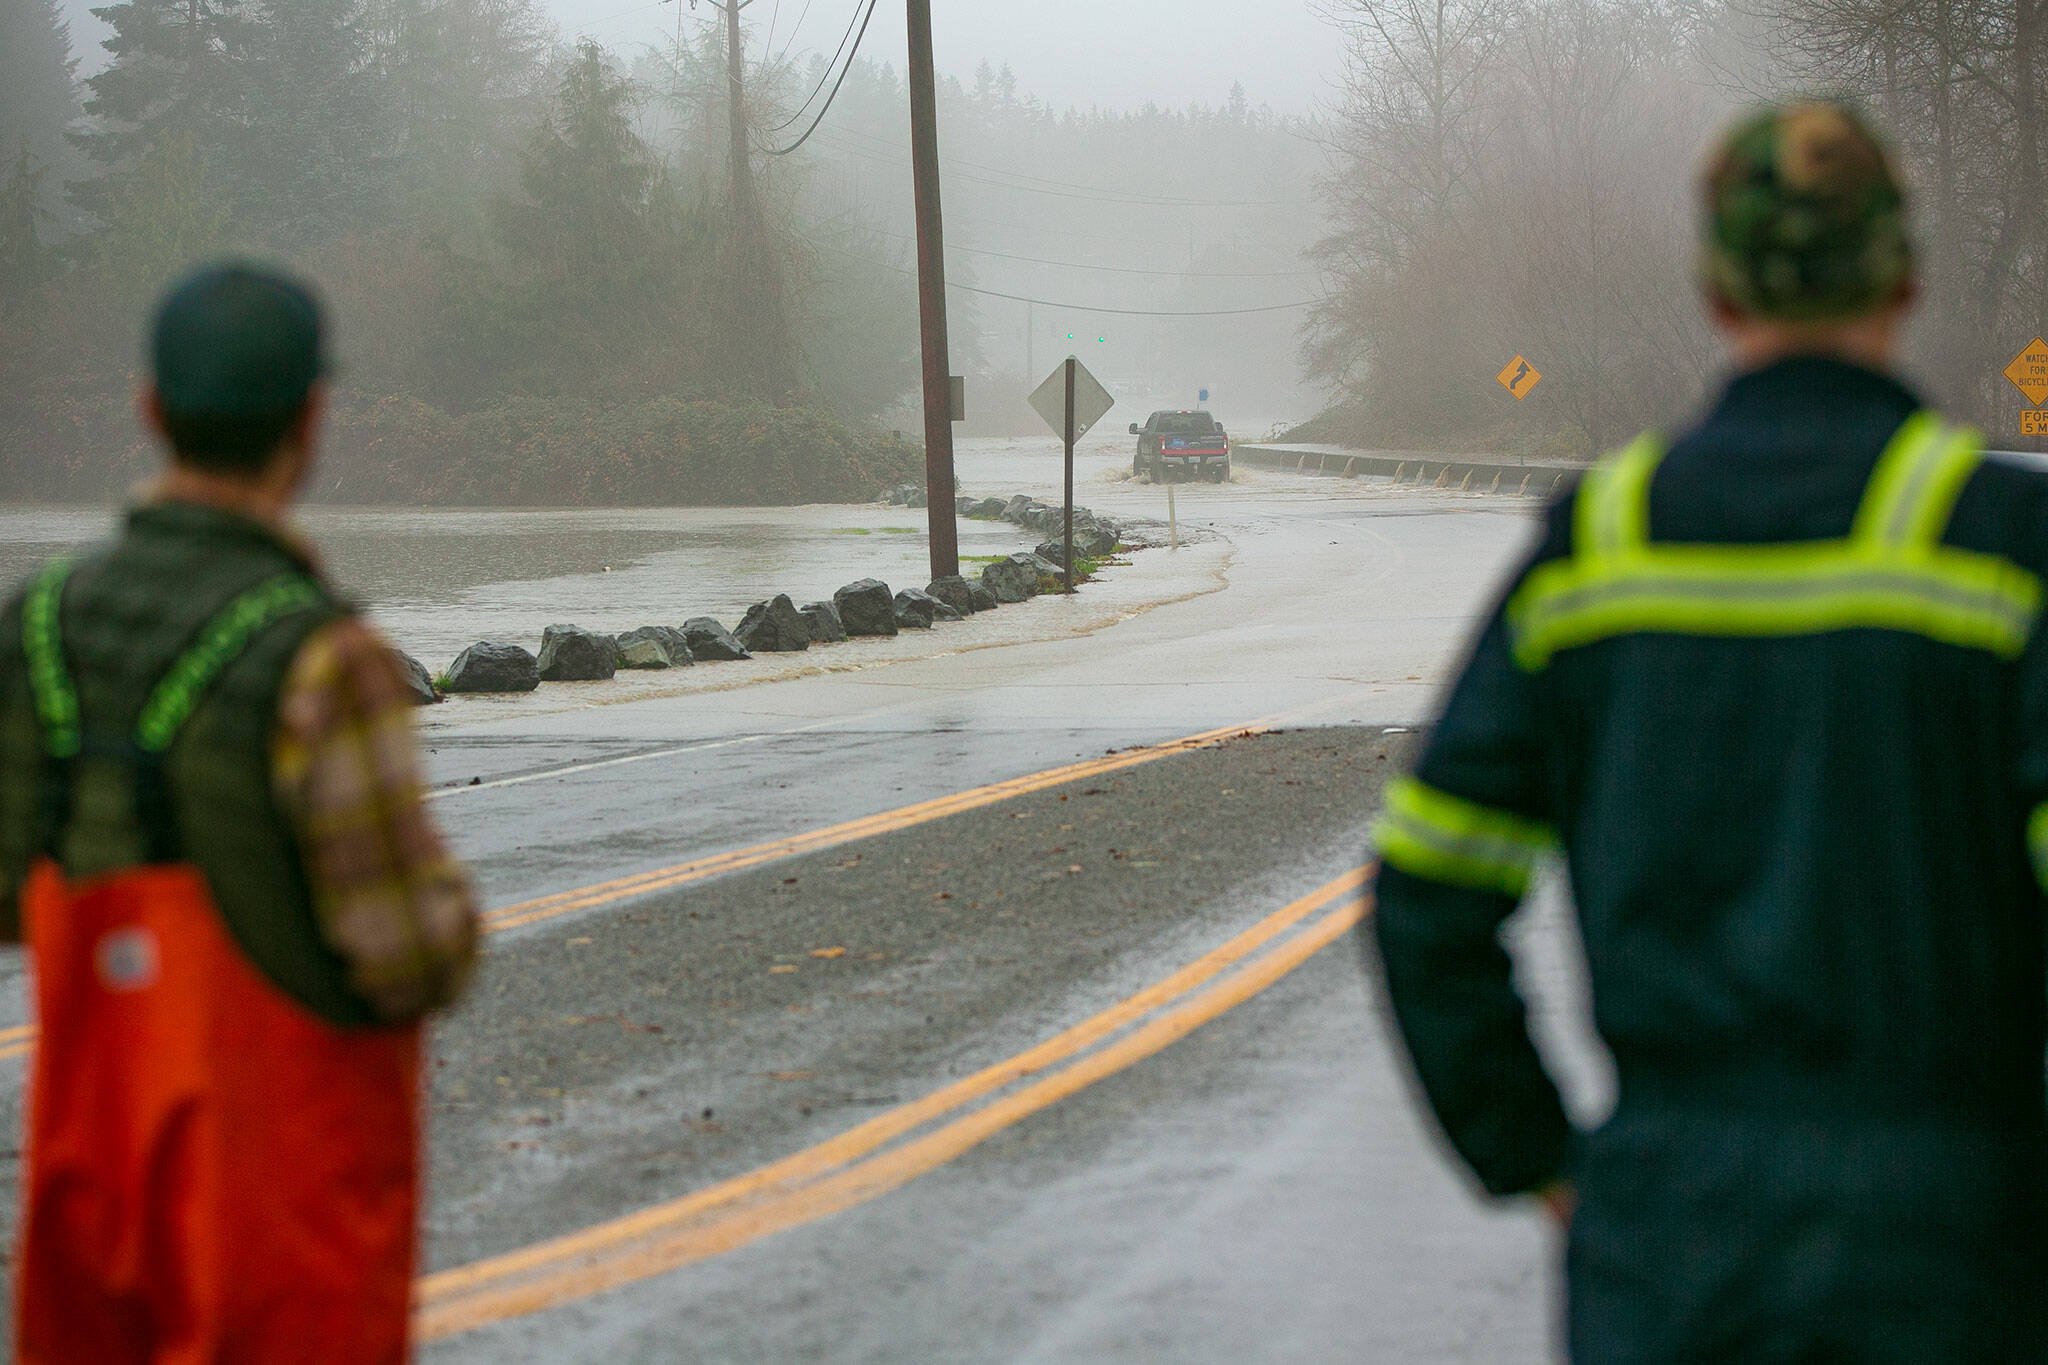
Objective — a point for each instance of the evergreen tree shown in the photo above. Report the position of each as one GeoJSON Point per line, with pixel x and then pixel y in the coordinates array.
{"type": "Point", "coordinates": [318, 151]}
{"type": "Point", "coordinates": [38, 102]}
{"type": "Point", "coordinates": [589, 289]}
{"type": "Point", "coordinates": [179, 78]}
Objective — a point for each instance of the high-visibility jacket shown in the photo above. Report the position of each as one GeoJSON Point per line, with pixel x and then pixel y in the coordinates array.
{"type": "Point", "coordinates": [1778, 695]}
{"type": "Point", "coordinates": [215, 1172]}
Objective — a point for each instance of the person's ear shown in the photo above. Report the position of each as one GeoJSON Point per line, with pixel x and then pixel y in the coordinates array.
{"type": "Point", "coordinates": [306, 426]}
{"type": "Point", "coordinates": [150, 404]}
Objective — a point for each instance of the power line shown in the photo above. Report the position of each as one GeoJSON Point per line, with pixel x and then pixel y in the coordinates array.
{"type": "Point", "coordinates": [1041, 185]}
{"type": "Point", "coordinates": [826, 75]}
{"type": "Point", "coordinates": [790, 42]}
{"type": "Point", "coordinates": [1141, 312]}
{"type": "Point", "coordinates": [1110, 269]}
{"type": "Point", "coordinates": [830, 99]}
{"type": "Point", "coordinates": [1089, 307]}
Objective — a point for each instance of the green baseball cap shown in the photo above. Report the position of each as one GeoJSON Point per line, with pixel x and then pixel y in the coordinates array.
{"type": "Point", "coordinates": [1805, 216]}
{"type": "Point", "coordinates": [233, 339]}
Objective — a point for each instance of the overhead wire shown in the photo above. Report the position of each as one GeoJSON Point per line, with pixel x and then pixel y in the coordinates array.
{"type": "Point", "coordinates": [1039, 184]}
{"type": "Point", "coordinates": [790, 42]}
{"type": "Point", "coordinates": [832, 98]}
{"type": "Point", "coordinates": [826, 75]}
{"type": "Point", "coordinates": [1108, 269]}
{"type": "Point", "coordinates": [1088, 307]}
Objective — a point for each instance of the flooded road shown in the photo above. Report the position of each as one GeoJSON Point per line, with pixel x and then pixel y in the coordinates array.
{"type": "Point", "coordinates": [657, 1042]}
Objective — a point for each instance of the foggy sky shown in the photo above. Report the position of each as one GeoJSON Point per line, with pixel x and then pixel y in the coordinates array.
{"type": "Point", "coordinates": [1113, 53]}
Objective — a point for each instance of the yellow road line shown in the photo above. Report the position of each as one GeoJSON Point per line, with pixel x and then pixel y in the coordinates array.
{"type": "Point", "coordinates": [20, 1039]}
{"type": "Point", "coordinates": [850, 1169]}
{"type": "Point", "coordinates": [867, 827]}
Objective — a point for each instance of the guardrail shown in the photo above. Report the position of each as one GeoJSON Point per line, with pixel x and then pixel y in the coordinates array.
{"type": "Point", "coordinates": [1488, 474]}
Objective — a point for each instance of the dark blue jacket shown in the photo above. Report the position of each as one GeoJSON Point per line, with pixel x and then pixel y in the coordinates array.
{"type": "Point", "coordinates": [1800, 861]}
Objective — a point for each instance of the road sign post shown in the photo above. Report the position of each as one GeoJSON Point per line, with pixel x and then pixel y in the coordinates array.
{"type": "Point", "coordinates": [1071, 401]}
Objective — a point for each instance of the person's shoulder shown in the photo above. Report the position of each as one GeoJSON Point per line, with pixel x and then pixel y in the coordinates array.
{"type": "Point", "coordinates": [347, 657]}
{"type": "Point", "coordinates": [2003, 509]}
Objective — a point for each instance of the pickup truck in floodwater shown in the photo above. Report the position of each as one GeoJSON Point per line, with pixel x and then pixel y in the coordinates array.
{"type": "Point", "coordinates": [1172, 443]}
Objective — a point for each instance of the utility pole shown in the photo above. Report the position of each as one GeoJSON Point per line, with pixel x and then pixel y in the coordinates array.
{"type": "Point", "coordinates": [763, 350]}
{"type": "Point", "coordinates": [931, 296]}
{"type": "Point", "coordinates": [743, 197]}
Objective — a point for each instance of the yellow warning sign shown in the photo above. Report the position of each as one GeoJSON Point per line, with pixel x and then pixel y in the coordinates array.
{"type": "Point", "coordinates": [2034, 421]}
{"type": "Point", "coordinates": [1519, 377]}
{"type": "Point", "coordinates": [2029, 372]}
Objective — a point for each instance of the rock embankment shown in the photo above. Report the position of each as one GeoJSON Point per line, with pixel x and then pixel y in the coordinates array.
{"type": "Point", "coordinates": [866, 608]}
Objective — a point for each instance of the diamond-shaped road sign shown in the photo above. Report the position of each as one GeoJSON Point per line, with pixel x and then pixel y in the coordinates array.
{"type": "Point", "coordinates": [2029, 372]}
{"type": "Point", "coordinates": [1091, 400]}
{"type": "Point", "coordinates": [1518, 378]}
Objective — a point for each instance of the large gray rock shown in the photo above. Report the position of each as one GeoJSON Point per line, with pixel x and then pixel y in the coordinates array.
{"type": "Point", "coordinates": [711, 642]}
{"type": "Point", "coordinates": [988, 509]}
{"type": "Point", "coordinates": [573, 654]}
{"type": "Point", "coordinates": [917, 609]}
{"type": "Point", "coordinates": [644, 653]}
{"type": "Point", "coordinates": [489, 667]}
{"type": "Point", "coordinates": [954, 591]}
{"type": "Point", "coordinates": [673, 642]}
{"type": "Point", "coordinates": [775, 627]}
{"type": "Point", "coordinates": [984, 600]}
{"type": "Point", "coordinates": [419, 684]}
{"type": "Point", "coordinates": [1014, 579]}
{"type": "Point", "coordinates": [866, 608]}
{"type": "Point", "coordinates": [826, 627]}
{"type": "Point", "coordinates": [1090, 542]}
{"type": "Point", "coordinates": [963, 505]}
{"type": "Point", "coordinates": [1014, 508]}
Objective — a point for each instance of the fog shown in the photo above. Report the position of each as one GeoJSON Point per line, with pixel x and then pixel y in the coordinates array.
{"type": "Point", "coordinates": [552, 283]}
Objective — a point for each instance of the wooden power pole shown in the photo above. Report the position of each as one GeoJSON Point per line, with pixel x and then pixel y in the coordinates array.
{"type": "Point", "coordinates": [931, 296]}
{"type": "Point", "coordinates": [764, 347]}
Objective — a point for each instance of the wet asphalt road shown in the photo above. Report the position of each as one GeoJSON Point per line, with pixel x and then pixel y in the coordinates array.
{"type": "Point", "coordinates": [1260, 1190]}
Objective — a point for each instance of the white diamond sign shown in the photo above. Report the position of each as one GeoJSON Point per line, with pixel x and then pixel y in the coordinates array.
{"type": "Point", "coordinates": [1091, 400]}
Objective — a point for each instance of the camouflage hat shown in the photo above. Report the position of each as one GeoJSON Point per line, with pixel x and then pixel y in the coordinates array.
{"type": "Point", "coordinates": [1805, 219]}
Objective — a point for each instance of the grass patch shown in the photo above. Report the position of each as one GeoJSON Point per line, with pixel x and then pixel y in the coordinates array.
{"type": "Point", "coordinates": [440, 682]}
{"type": "Point", "coordinates": [851, 531]}
{"type": "Point", "coordinates": [983, 559]}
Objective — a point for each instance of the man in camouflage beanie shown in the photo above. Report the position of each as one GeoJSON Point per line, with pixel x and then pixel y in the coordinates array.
{"type": "Point", "coordinates": [1777, 689]}
{"type": "Point", "coordinates": [1805, 219]}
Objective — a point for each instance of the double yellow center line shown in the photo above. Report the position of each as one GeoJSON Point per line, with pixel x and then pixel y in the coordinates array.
{"type": "Point", "coordinates": [20, 1039]}
{"type": "Point", "coordinates": [893, 1148]}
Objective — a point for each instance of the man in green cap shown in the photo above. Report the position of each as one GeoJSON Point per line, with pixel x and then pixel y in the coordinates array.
{"type": "Point", "coordinates": [1777, 690]}
{"type": "Point", "coordinates": [212, 839]}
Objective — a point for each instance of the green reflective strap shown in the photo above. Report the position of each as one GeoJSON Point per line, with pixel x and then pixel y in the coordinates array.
{"type": "Point", "coordinates": [1900, 481]}
{"type": "Point", "coordinates": [42, 642]}
{"type": "Point", "coordinates": [2037, 843]}
{"type": "Point", "coordinates": [1612, 514]}
{"type": "Point", "coordinates": [1959, 597]}
{"type": "Point", "coordinates": [222, 641]}
{"type": "Point", "coordinates": [1439, 837]}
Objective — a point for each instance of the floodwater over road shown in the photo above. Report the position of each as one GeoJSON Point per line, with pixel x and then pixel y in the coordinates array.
{"type": "Point", "coordinates": [740, 910]}
{"type": "Point", "coordinates": [438, 580]}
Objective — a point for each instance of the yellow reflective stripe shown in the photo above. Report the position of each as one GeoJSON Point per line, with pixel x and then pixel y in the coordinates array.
{"type": "Point", "coordinates": [1899, 483]}
{"type": "Point", "coordinates": [1612, 513]}
{"type": "Point", "coordinates": [1925, 519]}
{"type": "Point", "coordinates": [1956, 596]}
{"type": "Point", "coordinates": [2037, 843]}
{"type": "Point", "coordinates": [1431, 834]}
